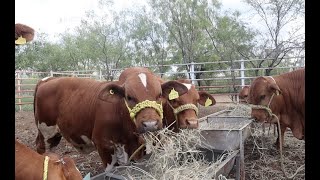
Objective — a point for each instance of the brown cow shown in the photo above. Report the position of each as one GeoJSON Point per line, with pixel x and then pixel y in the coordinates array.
{"type": "Point", "coordinates": [95, 115]}
{"type": "Point", "coordinates": [184, 109]}
{"type": "Point", "coordinates": [288, 102]}
{"type": "Point", "coordinates": [30, 165]}
{"type": "Point", "coordinates": [185, 105]}
{"type": "Point", "coordinates": [243, 94]}
{"type": "Point", "coordinates": [23, 34]}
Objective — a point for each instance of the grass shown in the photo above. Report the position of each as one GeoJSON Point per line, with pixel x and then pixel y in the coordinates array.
{"type": "Point", "coordinates": [26, 107]}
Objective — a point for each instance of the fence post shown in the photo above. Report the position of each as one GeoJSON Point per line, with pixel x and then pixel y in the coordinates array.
{"type": "Point", "coordinates": [100, 75]}
{"type": "Point", "coordinates": [242, 74]}
{"type": "Point", "coordinates": [19, 89]}
{"type": "Point", "coordinates": [192, 76]}
{"type": "Point", "coordinates": [51, 73]}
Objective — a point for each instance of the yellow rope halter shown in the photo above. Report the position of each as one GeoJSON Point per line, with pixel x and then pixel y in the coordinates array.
{"type": "Point", "coordinates": [144, 104]}
{"type": "Point", "coordinates": [45, 168]}
{"type": "Point", "coordinates": [177, 110]}
{"type": "Point", "coordinates": [184, 107]}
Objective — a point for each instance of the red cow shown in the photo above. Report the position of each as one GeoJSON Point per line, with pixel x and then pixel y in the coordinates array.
{"type": "Point", "coordinates": [285, 95]}
{"type": "Point", "coordinates": [243, 94]}
{"type": "Point", "coordinates": [31, 165]}
{"type": "Point", "coordinates": [183, 110]}
{"type": "Point", "coordinates": [107, 116]}
{"type": "Point", "coordinates": [23, 34]}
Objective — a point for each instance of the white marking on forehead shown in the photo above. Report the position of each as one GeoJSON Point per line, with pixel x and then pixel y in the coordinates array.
{"type": "Point", "coordinates": [122, 155]}
{"type": "Point", "coordinates": [48, 132]}
{"type": "Point", "coordinates": [187, 85]}
{"type": "Point", "coordinates": [113, 162]}
{"type": "Point", "coordinates": [143, 79]}
{"type": "Point", "coordinates": [44, 79]}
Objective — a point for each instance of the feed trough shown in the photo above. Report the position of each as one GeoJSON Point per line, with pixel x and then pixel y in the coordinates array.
{"type": "Point", "coordinates": [222, 133]}
{"type": "Point", "coordinates": [221, 137]}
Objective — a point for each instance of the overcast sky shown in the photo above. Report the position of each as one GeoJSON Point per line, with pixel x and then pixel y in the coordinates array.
{"type": "Point", "coordinates": [57, 16]}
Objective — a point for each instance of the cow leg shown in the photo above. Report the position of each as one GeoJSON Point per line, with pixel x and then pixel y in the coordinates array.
{"type": "Point", "coordinates": [55, 140]}
{"type": "Point", "coordinates": [41, 148]}
{"type": "Point", "coordinates": [108, 157]}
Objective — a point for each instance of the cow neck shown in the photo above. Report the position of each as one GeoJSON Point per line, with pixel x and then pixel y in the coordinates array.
{"type": "Point", "coordinates": [45, 167]}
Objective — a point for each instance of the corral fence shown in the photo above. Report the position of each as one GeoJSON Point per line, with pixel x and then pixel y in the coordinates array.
{"type": "Point", "coordinates": [222, 78]}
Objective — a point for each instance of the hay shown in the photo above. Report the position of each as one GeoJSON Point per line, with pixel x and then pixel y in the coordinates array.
{"type": "Point", "coordinates": [242, 110]}
{"type": "Point", "coordinates": [174, 156]}
{"type": "Point", "coordinates": [262, 159]}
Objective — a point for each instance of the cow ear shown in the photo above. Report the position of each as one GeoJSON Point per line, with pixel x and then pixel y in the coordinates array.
{"type": "Point", "coordinates": [173, 88]}
{"type": "Point", "coordinates": [206, 99]}
{"type": "Point", "coordinates": [111, 92]}
{"type": "Point", "coordinates": [275, 88]}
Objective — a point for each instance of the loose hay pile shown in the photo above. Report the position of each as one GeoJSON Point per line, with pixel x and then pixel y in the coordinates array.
{"type": "Point", "coordinates": [242, 110]}
{"type": "Point", "coordinates": [262, 159]}
{"type": "Point", "coordinates": [174, 156]}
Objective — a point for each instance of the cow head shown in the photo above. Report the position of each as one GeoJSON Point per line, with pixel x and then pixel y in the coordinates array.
{"type": "Point", "coordinates": [185, 107]}
{"type": "Point", "coordinates": [264, 92]}
{"type": "Point", "coordinates": [142, 94]}
{"type": "Point", "coordinates": [23, 34]}
{"type": "Point", "coordinates": [62, 168]}
{"type": "Point", "coordinates": [243, 94]}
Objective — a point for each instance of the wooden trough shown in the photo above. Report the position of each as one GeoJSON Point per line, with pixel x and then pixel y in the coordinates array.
{"type": "Point", "coordinates": [221, 135]}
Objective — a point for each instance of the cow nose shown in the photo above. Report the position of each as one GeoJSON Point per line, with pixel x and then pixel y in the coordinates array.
{"type": "Point", "coordinates": [150, 125]}
{"type": "Point", "coordinates": [192, 122]}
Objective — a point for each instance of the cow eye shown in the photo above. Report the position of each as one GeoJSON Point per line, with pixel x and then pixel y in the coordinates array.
{"type": "Point", "coordinates": [262, 97]}
{"type": "Point", "coordinates": [129, 98]}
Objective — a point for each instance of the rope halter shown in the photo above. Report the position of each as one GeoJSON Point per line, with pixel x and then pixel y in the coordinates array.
{"type": "Point", "coordinates": [184, 107]}
{"type": "Point", "coordinates": [267, 108]}
{"type": "Point", "coordinates": [181, 108]}
{"type": "Point", "coordinates": [144, 104]}
{"type": "Point", "coordinates": [45, 167]}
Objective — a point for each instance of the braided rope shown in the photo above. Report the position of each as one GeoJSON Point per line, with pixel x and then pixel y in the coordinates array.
{"type": "Point", "coordinates": [45, 167]}
{"type": "Point", "coordinates": [186, 106]}
{"type": "Point", "coordinates": [144, 104]}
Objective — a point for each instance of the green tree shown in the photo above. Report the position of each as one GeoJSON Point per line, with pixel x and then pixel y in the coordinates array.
{"type": "Point", "coordinates": [281, 35]}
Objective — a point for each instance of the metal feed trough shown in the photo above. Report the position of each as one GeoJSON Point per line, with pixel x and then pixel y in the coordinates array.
{"type": "Point", "coordinates": [222, 134]}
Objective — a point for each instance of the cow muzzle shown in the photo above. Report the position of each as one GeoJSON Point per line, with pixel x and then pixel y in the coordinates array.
{"type": "Point", "coordinates": [149, 126]}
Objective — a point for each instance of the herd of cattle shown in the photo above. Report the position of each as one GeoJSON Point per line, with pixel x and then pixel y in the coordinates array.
{"type": "Point", "coordinates": [110, 117]}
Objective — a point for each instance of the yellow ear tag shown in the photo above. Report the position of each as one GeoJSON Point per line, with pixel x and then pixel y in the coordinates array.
{"type": "Point", "coordinates": [21, 40]}
{"type": "Point", "coordinates": [111, 91]}
{"type": "Point", "coordinates": [173, 94]}
{"type": "Point", "coordinates": [208, 102]}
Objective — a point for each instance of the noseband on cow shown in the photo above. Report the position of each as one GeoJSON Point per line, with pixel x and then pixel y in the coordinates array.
{"type": "Point", "coordinates": [181, 108]}
{"type": "Point", "coordinates": [144, 104]}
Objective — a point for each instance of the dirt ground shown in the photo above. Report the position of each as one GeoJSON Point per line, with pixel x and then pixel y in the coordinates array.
{"type": "Point", "coordinates": [257, 161]}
